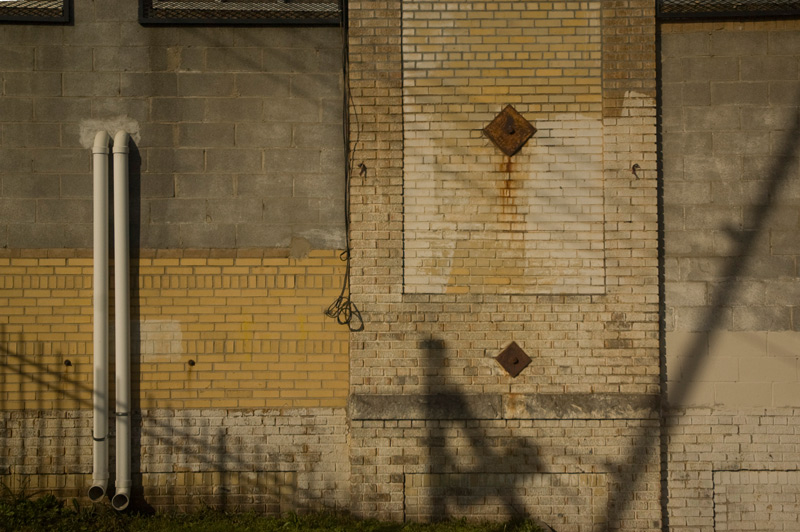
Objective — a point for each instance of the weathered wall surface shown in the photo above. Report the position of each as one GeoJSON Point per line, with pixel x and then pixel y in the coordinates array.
{"type": "Point", "coordinates": [731, 201]}
{"type": "Point", "coordinates": [237, 209]}
{"type": "Point", "coordinates": [446, 275]}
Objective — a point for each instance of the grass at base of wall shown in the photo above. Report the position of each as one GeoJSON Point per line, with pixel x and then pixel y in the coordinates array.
{"type": "Point", "coordinates": [47, 513]}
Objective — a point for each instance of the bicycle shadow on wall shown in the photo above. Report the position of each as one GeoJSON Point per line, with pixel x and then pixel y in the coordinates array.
{"type": "Point", "coordinates": [473, 460]}
{"type": "Point", "coordinates": [733, 273]}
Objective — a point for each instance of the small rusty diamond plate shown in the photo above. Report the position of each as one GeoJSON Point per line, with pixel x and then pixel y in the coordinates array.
{"type": "Point", "coordinates": [513, 359]}
{"type": "Point", "coordinates": [509, 131]}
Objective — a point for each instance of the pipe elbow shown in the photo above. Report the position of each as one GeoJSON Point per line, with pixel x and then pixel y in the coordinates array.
{"type": "Point", "coordinates": [121, 142]}
{"type": "Point", "coordinates": [98, 490]}
{"type": "Point", "coordinates": [121, 499]}
{"type": "Point", "coordinates": [101, 141]}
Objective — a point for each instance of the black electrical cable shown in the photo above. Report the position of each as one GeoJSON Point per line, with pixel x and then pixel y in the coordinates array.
{"type": "Point", "coordinates": [343, 309]}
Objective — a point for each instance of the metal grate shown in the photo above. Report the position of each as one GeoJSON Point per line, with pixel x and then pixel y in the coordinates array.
{"type": "Point", "coordinates": [727, 8]}
{"type": "Point", "coordinates": [240, 11]}
{"type": "Point", "coordinates": [35, 10]}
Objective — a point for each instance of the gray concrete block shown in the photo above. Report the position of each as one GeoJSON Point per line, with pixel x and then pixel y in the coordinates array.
{"type": "Point", "coordinates": [321, 237]}
{"type": "Point", "coordinates": [318, 186]}
{"type": "Point", "coordinates": [767, 118]}
{"type": "Point", "coordinates": [740, 143]}
{"type": "Point", "coordinates": [205, 135]}
{"type": "Point", "coordinates": [784, 43]}
{"type": "Point", "coordinates": [703, 167]}
{"type": "Point", "coordinates": [686, 294]}
{"type": "Point", "coordinates": [782, 292]}
{"type": "Point", "coordinates": [263, 235]}
{"type": "Point", "coordinates": [740, 92]}
{"type": "Point", "coordinates": [315, 85]}
{"type": "Point", "coordinates": [332, 161]}
{"type": "Point", "coordinates": [762, 168]}
{"type": "Point", "coordinates": [64, 58]}
{"type": "Point", "coordinates": [175, 210]}
{"type": "Point", "coordinates": [213, 36]}
{"type": "Point", "coordinates": [150, 84]}
{"type": "Point", "coordinates": [15, 160]}
{"type": "Point", "coordinates": [78, 236]}
{"type": "Point", "coordinates": [234, 59]}
{"type": "Point", "coordinates": [685, 44]}
{"type": "Point", "coordinates": [697, 93]}
{"type": "Point", "coordinates": [580, 406]}
{"type": "Point", "coordinates": [92, 33]}
{"type": "Point", "coordinates": [91, 84]}
{"type": "Point", "coordinates": [188, 160]}
{"type": "Point", "coordinates": [209, 186]}
{"type": "Point", "coordinates": [294, 161]}
{"type": "Point", "coordinates": [265, 185]}
{"type": "Point", "coordinates": [64, 210]}
{"type": "Point", "coordinates": [703, 268]}
{"type": "Point", "coordinates": [177, 109]}
{"type": "Point", "coordinates": [688, 193]}
{"type": "Point", "coordinates": [319, 136]}
{"type": "Point", "coordinates": [114, 10]}
{"type": "Point", "coordinates": [205, 84]}
{"type": "Point", "coordinates": [290, 210]}
{"type": "Point", "coordinates": [332, 109]}
{"type": "Point", "coordinates": [769, 267]}
{"type": "Point", "coordinates": [160, 236]}
{"type": "Point", "coordinates": [292, 110]}
{"type": "Point", "coordinates": [785, 242]}
{"type": "Point", "coordinates": [768, 68]}
{"type": "Point", "coordinates": [31, 186]}
{"type": "Point", "coordinates": [699, 319]}
{"type": "Point", "coordinates": [687, 144]}
{"type": "Point", "coordinates": [16, 109]}
{"type": "Point", "coordinates": [695, 69]}
{"type": "Point", "coordinates": [62, 109]}
{"type": "Point", "coordinates": [22, 34]}
{"type": "Point", "coordinates": [208, 235]}
{"type": "Point", "coordinates": [332, 212]}
{"type": "Point", "coordinates": [241, 161]}
{"type": "Point", "coordinates": [779, 217]}
{"type": "Point", "coordinates": [61, 160]}
{"type": "Point", "coordinates": [157, 135]}
{"type": "Point", "coordinates": [17, 211]}
{"type": "Point", "coordinates": [267, 85]}
{"type": "Point", "coordinates": [720, 117]}
{"type": "Point", "coordinates": [292, 60]}
{"type": "Point", "coordinates": [264, 135]}
{"type": "Point", "coordinates": [739, 43]}
{"type": "Point", "coordinates": [785, 93]}
{"type": "Point", "coordinates": [689, 243]}
{"type": "Point", "coordinates": [76, 186]}
{"type": "Point", "coordinates": [236, 210]}
{"type": "Point", "coordinates": [31, 135]}
{"type": "Point", "coordinates": [32, 83]}
{"type": "Point", "coordinates": [135, 108]}
{"type": "Point", "coordinates": [36, 235]}
{"type": "Point", "coordinates": [122, 59]}
{"type": "Point", "coordinates": [764, 318]}
{"type": "Point", "coordinates": [157, 185]}
{"type": "Point", "coordinates": [191, 59]}
{"type": "Point", "coordinates": [233, 109]}
{"type": "Point", "coordinates": [130, 31]}
{"type": "Point", "coordinates": [17, 57]}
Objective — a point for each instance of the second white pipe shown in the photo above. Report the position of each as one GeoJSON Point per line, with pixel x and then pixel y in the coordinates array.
{"type": "Point", "coordinates": [122, 358]}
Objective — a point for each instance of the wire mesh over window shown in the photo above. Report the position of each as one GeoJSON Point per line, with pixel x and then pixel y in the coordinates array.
{"type": "Point", "coordinates": [35, 10]}
{"type": "Point", "coordinates": [240, 11]}
{"type": "Point", "coordinates": [727, 8]}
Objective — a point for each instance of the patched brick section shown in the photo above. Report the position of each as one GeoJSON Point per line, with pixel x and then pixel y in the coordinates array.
{"type": "Point", "coordinates": [476, 220]}
{"type": "Point", "coordinates": [268, 461]}
{"type": "Point", "coordinates": [254, 327]}
{"type": "Point", "coordinates": [756, 500]}
{"type": "Point", "coordinates": [569, 502]}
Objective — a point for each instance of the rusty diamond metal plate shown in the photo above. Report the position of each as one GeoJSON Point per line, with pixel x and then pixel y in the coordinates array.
{"type": "Point", "coordinates": [513, 359]}
{"type": "Point", "coordinates": [509, 131]}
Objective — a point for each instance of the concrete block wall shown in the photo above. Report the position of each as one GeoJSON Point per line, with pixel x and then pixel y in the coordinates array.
{"type": "Point", "coordinates": [430, 335]}
{"type": "Point", "coordinates": [237, 211]}
{"type": "Point", "coordinates": [731, 196]}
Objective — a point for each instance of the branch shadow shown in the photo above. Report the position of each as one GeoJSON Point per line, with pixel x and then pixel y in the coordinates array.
{"type": "Point", "coordinates": [628, 473]}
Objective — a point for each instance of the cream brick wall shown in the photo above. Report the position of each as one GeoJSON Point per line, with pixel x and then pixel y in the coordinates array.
{"type": "Point", "coordinates": [433, 325]}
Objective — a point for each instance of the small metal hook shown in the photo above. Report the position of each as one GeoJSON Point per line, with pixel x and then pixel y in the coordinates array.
{"type": "Point", "coordinates": [634, 169]}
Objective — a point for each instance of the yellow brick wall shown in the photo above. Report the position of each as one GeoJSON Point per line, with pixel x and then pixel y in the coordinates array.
{"type": "Point", "coordinates": [254, 327]}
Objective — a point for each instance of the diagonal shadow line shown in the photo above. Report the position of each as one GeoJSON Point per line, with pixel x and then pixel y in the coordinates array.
{"type": "Point", "coordinates": [228, 459]}
{"type": "Point", "coordinates": [628, 472]}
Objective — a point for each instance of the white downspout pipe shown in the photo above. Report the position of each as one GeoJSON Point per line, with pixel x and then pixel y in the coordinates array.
{"type": "Point", "coordinates": [122, 493]}
{"type": "Point", "coordinates": [100, 338]}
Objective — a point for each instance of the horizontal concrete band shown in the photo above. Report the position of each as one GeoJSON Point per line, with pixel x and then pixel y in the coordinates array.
{"type": "Point", "coordinates": [511, 406]}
